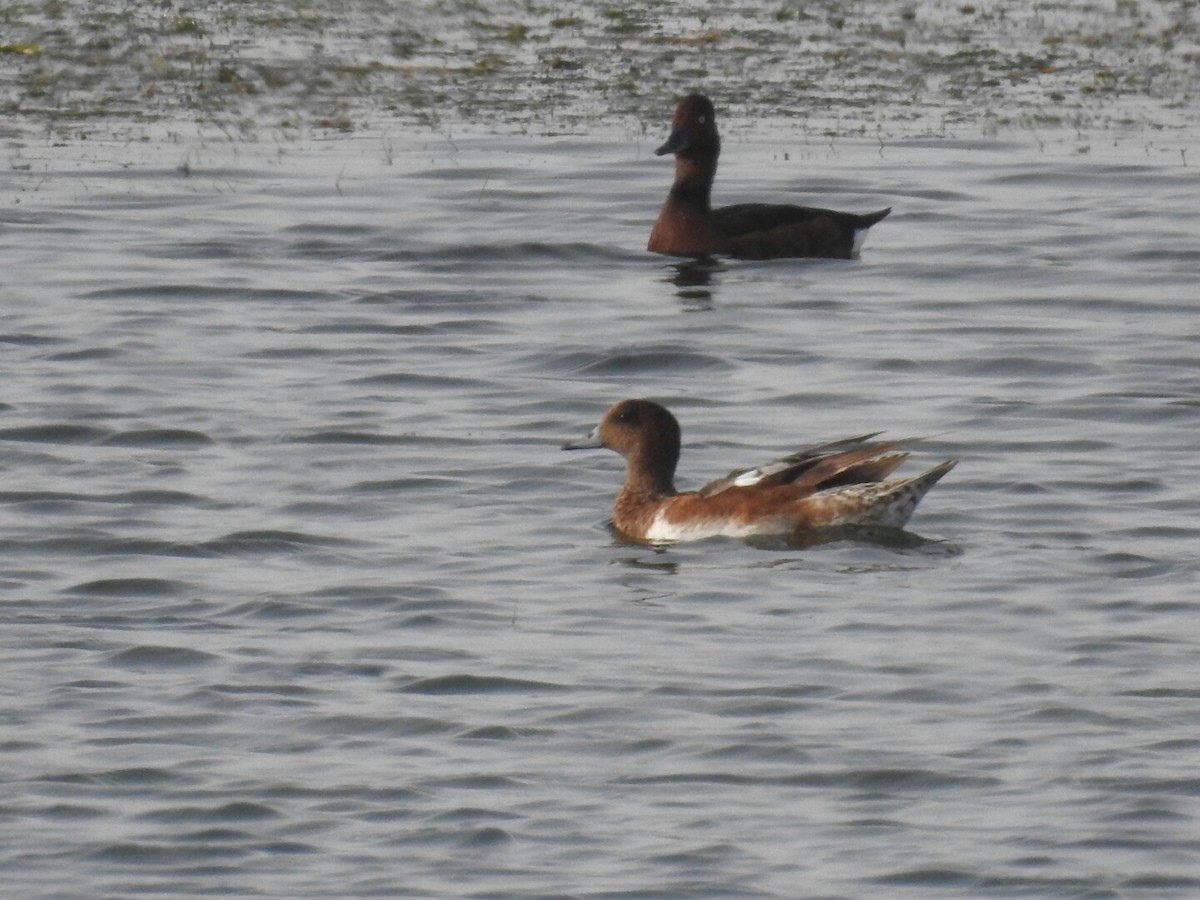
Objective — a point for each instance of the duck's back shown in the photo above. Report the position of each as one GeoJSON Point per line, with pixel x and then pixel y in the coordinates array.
{"type": "Point", "coordinates": [770, 230]}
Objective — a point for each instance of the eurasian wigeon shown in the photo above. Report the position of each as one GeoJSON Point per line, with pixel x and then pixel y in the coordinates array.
{"type": "Point", "coordinates": [838, 483]}
{"type": "Point", "coordinates": [689, 226]}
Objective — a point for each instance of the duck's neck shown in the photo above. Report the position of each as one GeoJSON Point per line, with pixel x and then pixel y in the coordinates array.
{"type": "Point", "coordinates": [649, 479]}
{"type": "Point", "coordinates": [637, 502]}
{"type": "Point", "coordinates": [693, 181]}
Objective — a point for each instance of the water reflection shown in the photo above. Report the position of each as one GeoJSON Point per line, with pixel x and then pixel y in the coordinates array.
{"type": "Point", "coordinates": [665, 567]}
{"type": "Point", "coordinates": [694, 277]}
{"type": "Point", "coordinates": [696, 271]}
{"type": "Point", "coordinates": [875, 535]}
{"type": "Point", "coordinates": [886, 537]}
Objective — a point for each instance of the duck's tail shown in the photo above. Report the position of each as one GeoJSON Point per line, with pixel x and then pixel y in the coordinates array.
{"type": "Point", "coordinates": [865, 221]}
{"type": "Point", "coordinates": [900, 496]}
{"type": "Point", "coordinates": [888, 503]}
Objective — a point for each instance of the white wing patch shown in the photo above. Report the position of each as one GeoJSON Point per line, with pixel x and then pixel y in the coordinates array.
{"type": "Point", "coordinates": [748, 478]}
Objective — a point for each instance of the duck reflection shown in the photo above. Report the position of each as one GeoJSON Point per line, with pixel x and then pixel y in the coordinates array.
{"type": "Point", "coordinates": [695, 278]}
{"type": "Point", "coordinates": [886, 537]}
{"type": "Point", "coordinates": [899, 540]}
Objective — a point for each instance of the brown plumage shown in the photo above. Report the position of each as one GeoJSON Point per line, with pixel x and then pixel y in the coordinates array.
{"type": "Point", "coordinates": [842, 482]}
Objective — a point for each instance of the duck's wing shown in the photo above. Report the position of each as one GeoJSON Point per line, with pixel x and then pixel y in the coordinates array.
{"type": "Point", "coordinates": [744, 218]}
{"type": "Point", "coordinates": [887, 503]}
{"type": "Point", "coordinates": [843, 461]}
{"type": "Point", "coordinates": [841, 500]}
{"type": "Point", "coordinates": [771, 231]}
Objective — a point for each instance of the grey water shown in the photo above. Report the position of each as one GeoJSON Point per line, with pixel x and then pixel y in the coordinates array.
{"type": "Point", "coordinates": [299, 597]}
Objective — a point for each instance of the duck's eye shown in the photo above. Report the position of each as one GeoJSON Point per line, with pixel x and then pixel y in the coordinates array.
{"type": "Point", "coordinates": [702, 119]}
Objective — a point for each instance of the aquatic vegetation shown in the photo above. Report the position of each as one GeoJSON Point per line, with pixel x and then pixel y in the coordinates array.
{"type": "Point", "coordinates": [864, 65]}
{"type": "Point", "coordinates": [21, 49]}
{"type": "Point", "coordinates": [185, 25]}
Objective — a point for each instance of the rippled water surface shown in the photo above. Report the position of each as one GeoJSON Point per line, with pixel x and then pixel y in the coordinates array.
{"type": "Point", "coordinates": [299, 597]}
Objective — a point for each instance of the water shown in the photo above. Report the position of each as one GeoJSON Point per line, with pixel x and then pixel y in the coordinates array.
{"type": "Point", "coordinates": [299, 597]}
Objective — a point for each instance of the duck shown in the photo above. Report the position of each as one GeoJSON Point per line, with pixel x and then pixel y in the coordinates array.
{"type": "Point", "coordinates": [838, 483]}
{"type": "Point", "coordinates": [689, 226]}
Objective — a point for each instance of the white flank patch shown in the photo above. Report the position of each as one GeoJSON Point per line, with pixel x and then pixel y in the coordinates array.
{"type": "Point", "coordinates": [662, 531]}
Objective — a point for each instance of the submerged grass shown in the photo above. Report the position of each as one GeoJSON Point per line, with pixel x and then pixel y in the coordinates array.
{"type": "Point", "coordinates": [846, 67]}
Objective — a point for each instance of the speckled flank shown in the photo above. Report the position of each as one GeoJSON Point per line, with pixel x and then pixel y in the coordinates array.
{"type": "Point", "coordinates": [892, 503]}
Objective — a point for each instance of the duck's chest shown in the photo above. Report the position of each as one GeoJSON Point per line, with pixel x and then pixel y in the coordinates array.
{"type": "Point", "coordinates": [683, 228]}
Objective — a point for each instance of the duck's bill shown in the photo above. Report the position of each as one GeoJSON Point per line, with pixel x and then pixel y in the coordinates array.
{"type": "Point", "coordinates": [676, 142]}
{"type": "Point", "coordinates": [590, 441]}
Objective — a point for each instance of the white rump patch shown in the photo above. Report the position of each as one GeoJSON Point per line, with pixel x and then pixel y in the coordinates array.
{"type": "Point", "coordinates": [860, 236]}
